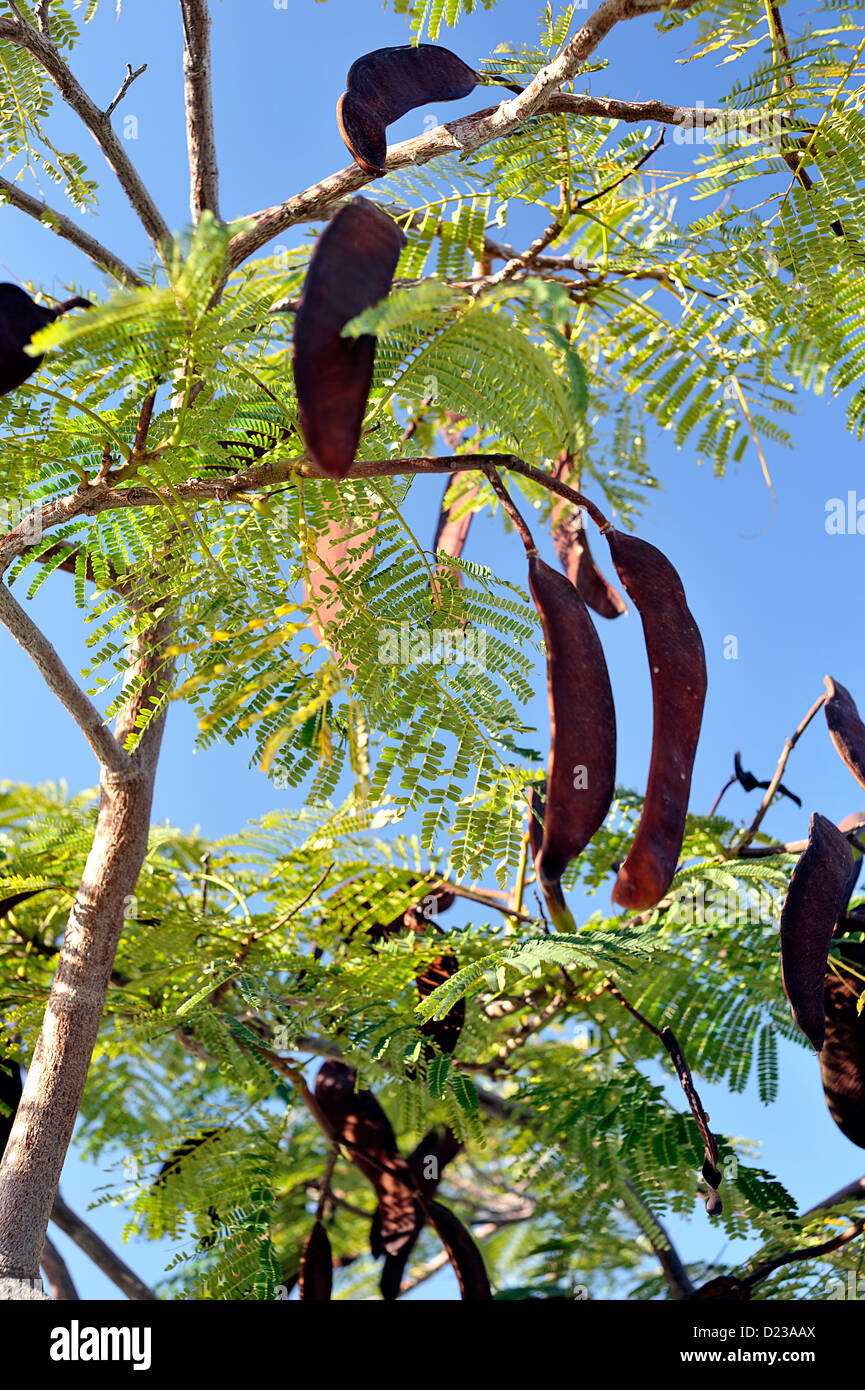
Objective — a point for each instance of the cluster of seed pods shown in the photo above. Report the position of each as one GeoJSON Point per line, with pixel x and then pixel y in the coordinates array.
{"type": "Point", "coordinates": [405, 1196]}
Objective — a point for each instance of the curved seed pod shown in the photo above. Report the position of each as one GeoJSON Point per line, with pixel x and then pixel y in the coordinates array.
{"type": "Point", "coordinates": [462, 1252]}
{"type": "Point", "coordinates": [677, 663]}
{"type": "Point", "coordinates": [11, 1089]}
{"type": "Point", "coordinates": [811, 909]}
{"type": "Point", "coordinates": [20, 318]}
{"type": "Point", "coordinates": [351, 269]}
{"type": "Point", "coordinates": [360, 1123]}
{"type": "Point", "coordinates": [842, 1059]}
{"type": "Point", "coordinates": [575, 557]}
{"type": "Point", "coordinates": [582, 772]}
{"type": "Point", "coordinates": [316, 1266]}
{"type": "Point", "coordinates": [427, 1162]}
{"type": "Point", "coordinates": [385, 84]}
{"type": "Point", "coordinates": [845, 727]}
{"type": "Point", "coordinates": [444, 1032]}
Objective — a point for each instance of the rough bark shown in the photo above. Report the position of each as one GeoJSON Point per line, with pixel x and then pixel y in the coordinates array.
{"type": "Point", "coordinates": [34, 1156]}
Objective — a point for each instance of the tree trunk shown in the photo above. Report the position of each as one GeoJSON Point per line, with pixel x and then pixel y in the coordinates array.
{"type": "Point", "coordinates": [35, 1153]}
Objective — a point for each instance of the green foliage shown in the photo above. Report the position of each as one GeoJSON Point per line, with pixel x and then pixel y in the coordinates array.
{"type": "Point", "coordinates": [635, 310]}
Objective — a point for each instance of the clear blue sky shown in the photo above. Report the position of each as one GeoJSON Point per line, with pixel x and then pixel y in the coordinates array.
{"type": "Point", "coordinates": [771, 577]}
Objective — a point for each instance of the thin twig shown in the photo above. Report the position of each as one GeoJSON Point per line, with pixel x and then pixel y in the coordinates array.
{"type": "Point", "coordinates": [509, 506]}
{"type": "Point", "coordinates": [716, 803]}
{"type": "Point", "coordinates": [124, 87]}
{"type": "Point", "coordinates": [748, 835]}
{"type": "Point", "coordinates": [112, 757]}
{"type": "Point", "coordinates": [23, 35]}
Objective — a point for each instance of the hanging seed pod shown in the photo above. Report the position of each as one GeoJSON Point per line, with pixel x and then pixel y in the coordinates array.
{"type": "Point", "coordinates": [808, 917]}
{"type": "Point", "coordinates": [427, 1162]}
{"type": "Point", "coordinates": [385, 84]}
{"type": "Point", "coordinates": [575, 557]}
{"type": "Point", "coordinates": [582, 772]}
{"type": "Point", "coordinates": [462, 1252]}
{"type": "Point", "coordinates": [20, 318]}
{"type": "Point", "coordinates": [845, 727]}
{"type": "Point", "coordinates": [11, 1089]}
{"type": "Point", "coordinates": [677, 663]}
{"type": "Point", "coordinates": [444, 1032]}
{"type": "Point", "coordinates": [351, 269]}
{"type": "Point", "coordinates": [362, 1126]}
{"type": "Point", "coordinates": [316, 1266]}
{"type": "Point", "coordinates": [842, 1059]}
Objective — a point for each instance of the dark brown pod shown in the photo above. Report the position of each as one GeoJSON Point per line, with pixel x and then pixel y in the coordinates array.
{"type": "Point", "coordinates": [351, 269]}
{"type": "Point", "coordinates": [385, 84]}
{"type": "Point", "coordinates": [845, 727]}
{"type": "Point", "coordinates": [427, 1162]}
{"type": "Point", "coordinates": [842, 1059]}
{"type": "Point", "coordinates": [444, 1032]}
{"type": "Point", "coordinates": [11, 1089]}
{"type": "Point", "coordinates": [576, 559]}
{"type": "Point", "coordinates": [582, 772]}
{"type": "Point", "coordinates": [724, 1289]}
{"type": "Point", "coordinates": [811, 909]}
{"type": "Point", "coordinates": [316, 1266]}
{"type": "Point", "coordinates": [362, 1126]}
{"type": "Point", "coordinates": [20, 318]}
{"type": "Point", "coordinates": [677, 663]}
{"type": "Point", "coordinates": [462, 1252]}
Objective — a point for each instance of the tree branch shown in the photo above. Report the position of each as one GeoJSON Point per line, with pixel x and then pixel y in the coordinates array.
{"type": "Point", "coordinates": [60, 1281]}
{"type": "Point", "coordinates": [197, 86]}
{"type": "Point", "coordinates": [59, 223]}
{"type": "Point", "coordinates": [789, 744]}
{"type": "Point", "coordinates": [19, 32]}
{"type": "Point", "coordinates": [101, 497]}
{"type": "Point", "coordinates": [463, 136]}
{"type": "Point", "coordinates": [101, 1254]}
{"type": "Point", "coordinates": [112, 757]}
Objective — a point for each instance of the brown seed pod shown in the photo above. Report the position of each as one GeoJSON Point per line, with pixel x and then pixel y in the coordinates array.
{"type": "Point", "coordinates": [362, 1126]}
{"type": "Point", "coordinates": [427, 1162]}
{"type": "Point", "coordinates": [582, 772]}
{"type": "Point", "coordinates": [575, 557]}
{"type": "Point", "coordinates": [385, 84]}
{"type": "Point", "coordinates": [11, 1090]}
{"type": "Point", "coordinates": [462, 1252]}
{"type": "Point", "coordinates": [20, 318]}
{"type": "Point", "coordinates": [842, 1059]}
{"type": "Point", "coordinates": [677, 663]}
{"type": "Point", "coordinates": [351, 269]}
{"type": "Point", "coordinates": [316, 1266]}
{"type": "Point", "coordinates": [811, 909]}
{"type": "Point", "coordinates": [444, 1032]}
{"type": "Point", "coordinates": [845, 727]}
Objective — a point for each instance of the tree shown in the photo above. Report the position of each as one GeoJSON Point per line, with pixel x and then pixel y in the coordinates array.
{"type": "Point", "coordinates": [157, 457]}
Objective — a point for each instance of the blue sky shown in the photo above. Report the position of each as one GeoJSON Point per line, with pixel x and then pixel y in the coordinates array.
{"type": "Point", "coordinates": [767, 574]}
